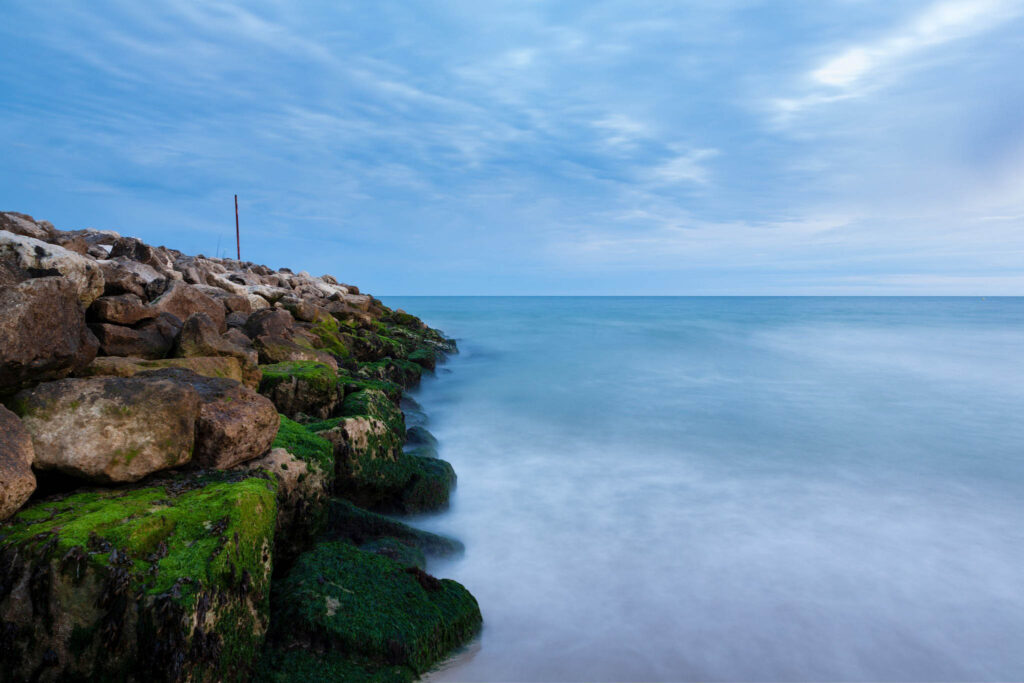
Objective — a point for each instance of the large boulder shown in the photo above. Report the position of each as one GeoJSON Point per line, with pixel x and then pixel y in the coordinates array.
{"type": "Point", "coordinates": [17, 482]}
{"type": "Point", "coordinates": [272, 322]}
{"type": "Point", "coordinates": [183, 300]}
{"type": "Point", "coordinates": [235, 423]}
{"type": "Point", "coordinates": [372, 609]}
{"type": "Point", "coordinates": [110, 429]}
{"type": "Point", "coordinates": [165, 583]}
{"type": "Point", "coordinates": [158, 258]}
{"type": "Point", "coordinates": [43, 335]}
{"type": "Point", "coordinates": [41, 259]}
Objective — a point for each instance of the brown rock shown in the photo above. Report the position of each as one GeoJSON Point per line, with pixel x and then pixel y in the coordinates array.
{"type": "Point", "coordinates": [183, 300]}
{"type": "Point", "coordinates": [151, 339]}
{"type": "Point", "coordinates": [23, 224]}
{"type": "Point", "coordinates": [123, 309]}
{"type": "Point", "coordinates": [17, 482]}
{"type": "Point", "coordinates": [269, 322]}
{"type": "Point", "coordinates": [235, 423]}
{"type": "Point", "coordinates": [304, 309]}
{"type": "Point", "coordinates": [275, 349]}
{"type": "Point", "coordinates": [110, 429]}
{"type": "Point", "coordinates": [211, 366]}
{"type": "Point", "coordinates": [123, 276]}
{"type": "Point", "coordinates": [43, 335]}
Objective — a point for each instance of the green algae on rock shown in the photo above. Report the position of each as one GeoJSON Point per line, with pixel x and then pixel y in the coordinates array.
{"type": "Point", "coordinates": [305, 666]}
{"type": "Point", "coordinates": [372, 607]}
{"type": "Point", "coordinates": [346, 521]}
{"type": "Point", "coordinates": [302, 387]}
{"type": "Point", "coordinates": [168, 581]}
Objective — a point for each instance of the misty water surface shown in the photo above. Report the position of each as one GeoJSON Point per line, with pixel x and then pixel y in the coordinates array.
{"type": "Point", "coordinates": [735, 488]}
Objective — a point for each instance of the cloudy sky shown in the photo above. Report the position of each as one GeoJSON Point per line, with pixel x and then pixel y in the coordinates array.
{"type": "Point", "coordinates": [532, 146]}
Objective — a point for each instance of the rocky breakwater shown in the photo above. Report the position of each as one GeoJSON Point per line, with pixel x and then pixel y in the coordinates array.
{"type": "Point", "coordinates": [195, 455]}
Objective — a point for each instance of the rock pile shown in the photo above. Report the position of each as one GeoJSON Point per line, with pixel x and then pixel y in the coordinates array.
{"type": "Point", "coordinates": [193, 455]}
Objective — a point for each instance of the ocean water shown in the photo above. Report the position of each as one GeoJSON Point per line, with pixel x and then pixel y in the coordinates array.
{"type": "Point", "coordinates": [673, 489]}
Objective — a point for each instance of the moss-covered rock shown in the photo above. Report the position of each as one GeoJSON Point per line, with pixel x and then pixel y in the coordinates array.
{"type": "Point", "coordinates": [404, 554]}
{"type": "Point", "coordinates": [346, 521]}
{"type": "Point", "coordinates": [306, 666]}
{"type": "Point", "coordinates": [302, 387]}
{"type": "Point", "coordinates": [402, 372]}
{"type": "Point", "coordinates": [168, 581]}
{"type": "Point", "coordinates": [371, 607]}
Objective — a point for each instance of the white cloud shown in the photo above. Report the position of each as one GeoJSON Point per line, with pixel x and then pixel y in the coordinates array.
{"type": "Point", "coordinates": [684, 168]}
{"type": "Point", "coordinates": [856, 69]}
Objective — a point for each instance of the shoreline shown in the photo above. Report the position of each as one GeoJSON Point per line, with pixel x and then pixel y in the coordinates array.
{"type": "Point", "coordinates": [200, 452]}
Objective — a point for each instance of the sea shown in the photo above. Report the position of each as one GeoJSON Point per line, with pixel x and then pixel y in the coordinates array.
{"type": "Point", "coordinates": [735, 488]}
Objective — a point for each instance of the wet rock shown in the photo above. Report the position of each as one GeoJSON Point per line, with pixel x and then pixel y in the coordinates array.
{"type": "Point", "coordinates": [183, 300]}
{"type": "Point", "coordinates": [168, 582]}
{"type": "Point", "coordinates": [368, 606]}
{"type": "Point", "coordinates": [110, 429]}
{"type": "Point", "coordinates": [17, 482]}
{"type": "Point", "coordinates": [41, 259]}
{"type": "Point", "coordinates": [43, 334]}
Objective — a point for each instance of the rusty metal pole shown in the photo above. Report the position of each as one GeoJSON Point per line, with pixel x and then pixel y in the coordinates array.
{"type": "Point", "coordinates": [238, 239]}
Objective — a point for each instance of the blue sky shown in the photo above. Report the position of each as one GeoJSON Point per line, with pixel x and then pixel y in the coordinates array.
{"type": "Point", "coordinates": [536, 147]}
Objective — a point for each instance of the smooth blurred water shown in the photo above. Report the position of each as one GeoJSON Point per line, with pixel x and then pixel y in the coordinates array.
{"type": "Point", "coordinates": [669, 489]}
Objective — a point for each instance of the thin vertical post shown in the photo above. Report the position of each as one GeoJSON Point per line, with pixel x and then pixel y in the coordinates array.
{"type": "Point", "coordinates": [238, 239]}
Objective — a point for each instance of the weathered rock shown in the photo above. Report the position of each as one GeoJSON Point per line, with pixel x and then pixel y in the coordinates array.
{"type": "Point", "coordinates": [236, 321]}
{"type": "Point", "coordinates": [43, 334]}
{"type": "Point", "coordinates": [372, 608]}
{"type": "Point", "coordinates": [42, 259]}
{"type": "Point", "coordinates": [303, 489]}
{"type": "Point", "coordinates": [258, 303]}
{"type": "Point", "coordinates": [122, 309]}
{"type": "Point", "coordinates": [199, 337]}
{"type": "Point", "coordinates": [150, 339]}
{"type": "Point", "coordinates": [271, 294]}
{"type": "Point", "coordinates": [183, 300]}
{"type": "Point", "coordinates": [17, 482]}
{"type": "Point", "coordinates": [372, 470]}
{"type": "Point", "coordinates": [110, 429]}
{"type": "Point", "coordinates": [164, 583]}
{"type": "Point", "coordinates": [272, 322]}
{"type": "Point", "coordinates": [303, 309]}
{"type": "Point", "coordinates": [275, 349]}
{"type": "Point", "coordinates": [23, 224]}
{"type": "Point", "coordinates": [235, 423]}
{"type": "Point", "coordinates": [123, 276]}
{"type": "Point", "coordinates": [302, 387]}
{"type": "Point", "coordinates": [351, 523]}
{"type": "Point", "coordinates": [209, 366]}
{"type": "Point", "coordinates": [158, 258]}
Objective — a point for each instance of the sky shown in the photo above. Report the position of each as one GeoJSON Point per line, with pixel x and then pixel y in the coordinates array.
{"type": "Point", "coordinates": [530, 147]}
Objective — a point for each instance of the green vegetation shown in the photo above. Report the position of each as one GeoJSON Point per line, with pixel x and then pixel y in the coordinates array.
{"type": "Point", "coordinates": [305, 445]}
{"type": "Point", "coordinates": [372, 607]}
{"type": "Point", "coordinates": [317, 376]}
